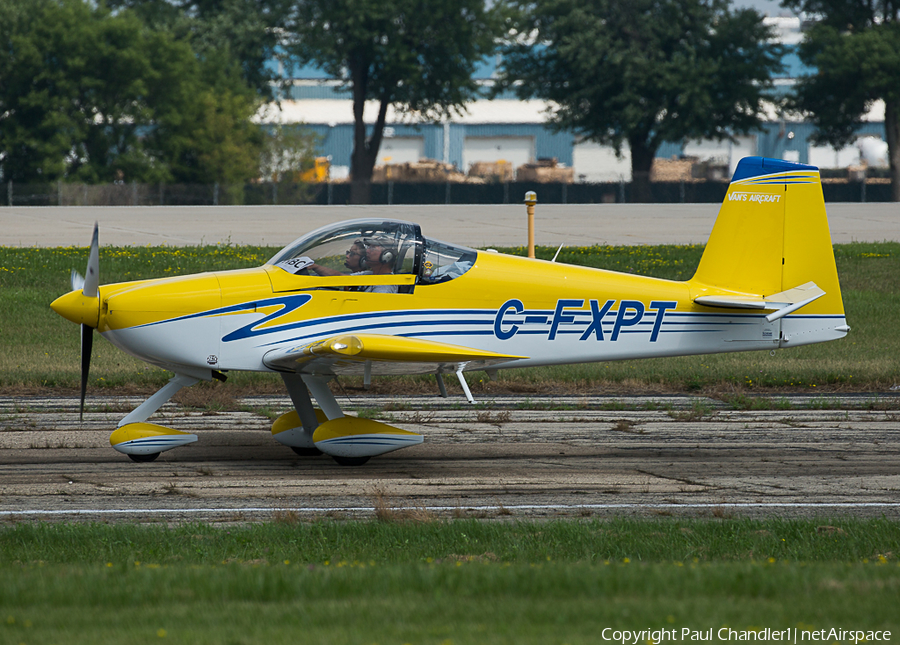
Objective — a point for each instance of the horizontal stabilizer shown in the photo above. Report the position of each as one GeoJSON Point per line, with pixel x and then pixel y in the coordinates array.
{"type": "Point", "coordinates": [791, 299]}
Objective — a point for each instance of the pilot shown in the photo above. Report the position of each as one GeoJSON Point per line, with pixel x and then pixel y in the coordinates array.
{"type": "Point", "coordinates": [367, 256]}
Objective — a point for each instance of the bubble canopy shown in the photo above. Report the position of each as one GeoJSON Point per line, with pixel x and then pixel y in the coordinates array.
{"type": "Point", "coordinates": [409, 251]}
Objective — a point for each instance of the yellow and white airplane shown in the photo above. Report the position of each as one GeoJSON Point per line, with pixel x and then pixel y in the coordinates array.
{"type": "Point", "coordinates": [372, 297]}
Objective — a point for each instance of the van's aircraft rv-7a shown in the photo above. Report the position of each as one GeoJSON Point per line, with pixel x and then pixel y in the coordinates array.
{"type": "Point", "coordinates": [371, 297]}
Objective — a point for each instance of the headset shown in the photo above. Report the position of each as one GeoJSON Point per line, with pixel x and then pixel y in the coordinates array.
{"type": "Point", "coordinates": [387, 253]}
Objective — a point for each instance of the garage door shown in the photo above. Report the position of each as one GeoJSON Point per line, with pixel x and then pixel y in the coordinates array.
{"type": "Point", "coordinates": [401, 150]}
{"type": "Point", "coordinates": [596, 163]}
{"type": "Point", "coordinates": [518, 150]}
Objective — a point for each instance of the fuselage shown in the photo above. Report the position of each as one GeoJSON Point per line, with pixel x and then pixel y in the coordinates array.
{"type": "Point", "coordinates": [548, 312]}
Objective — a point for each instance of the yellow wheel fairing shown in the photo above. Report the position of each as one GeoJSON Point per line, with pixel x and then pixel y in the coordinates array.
{"type": "Point", "coordinates": [288, 429]}
{"type": "Point", "coordinates": [356, 437]}
{"type": "Point", "coordinates": [148, 439]}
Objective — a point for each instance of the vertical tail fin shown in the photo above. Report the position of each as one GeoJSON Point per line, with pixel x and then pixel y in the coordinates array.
{"type": "Point", "coordinates": [770, 237]}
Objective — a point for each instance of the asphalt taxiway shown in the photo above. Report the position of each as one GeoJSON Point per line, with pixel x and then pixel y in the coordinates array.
{"type": "Point", "coordinates": [516, 457]}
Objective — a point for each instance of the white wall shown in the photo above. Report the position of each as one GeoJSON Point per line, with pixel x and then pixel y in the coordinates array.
{"type": "Point", "coordinates": [595, 163]}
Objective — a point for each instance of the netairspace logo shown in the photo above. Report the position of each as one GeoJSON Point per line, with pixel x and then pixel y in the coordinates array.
{"type": "Point", "coordinates": [790, 635]}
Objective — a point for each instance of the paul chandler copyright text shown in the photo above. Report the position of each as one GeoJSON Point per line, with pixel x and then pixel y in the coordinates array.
{"type": "Point", "coordinates": [789, 635]}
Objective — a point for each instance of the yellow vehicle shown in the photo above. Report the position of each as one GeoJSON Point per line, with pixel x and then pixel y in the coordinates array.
{"type": "Point", "coordinates": [318, 173]}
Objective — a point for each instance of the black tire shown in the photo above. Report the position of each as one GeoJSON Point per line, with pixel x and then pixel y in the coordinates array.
{"type": "Point", "coordinates": [307, 452]}
{"type": "Point", "coordinates": [350, 461]}
{"type": "Point", "coordinates": [144, 459]}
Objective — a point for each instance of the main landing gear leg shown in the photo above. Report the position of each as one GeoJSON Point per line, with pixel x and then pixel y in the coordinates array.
{"type": "Point", "coordinates": [318, 386]}
{"type": "Point", "coordinates": [142, 441]}
{"type": "Point", "coordinates": [286, 430]}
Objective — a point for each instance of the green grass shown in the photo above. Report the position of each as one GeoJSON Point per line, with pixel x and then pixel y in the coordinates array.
{"type": "Point", "coordinates": [39, 349]}
{"type": "Point", "coordinates": [458, 581]}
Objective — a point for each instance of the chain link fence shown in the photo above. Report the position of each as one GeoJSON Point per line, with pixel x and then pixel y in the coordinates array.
{"type": "Point", "coordinates": [294, 193]}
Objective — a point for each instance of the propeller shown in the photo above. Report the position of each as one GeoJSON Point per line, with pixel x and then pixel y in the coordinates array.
{"type": "Point", "coordinates": [89, 285]}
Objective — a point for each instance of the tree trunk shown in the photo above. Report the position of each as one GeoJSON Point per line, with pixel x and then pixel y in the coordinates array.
{"type": "Point", "coordinates": [642, 155]}
{"type": "Point", "coordinates": [892, 132]}
{"type": "Point", "coordinates": [365, 150]}
{"type": "Point", "coordinates": [360, 170]}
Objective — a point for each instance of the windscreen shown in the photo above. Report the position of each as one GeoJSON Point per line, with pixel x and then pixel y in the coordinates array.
{"type": "Point", "coordinates": [331, 245]}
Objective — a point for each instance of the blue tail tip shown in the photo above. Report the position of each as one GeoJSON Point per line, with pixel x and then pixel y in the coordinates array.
{"type": "Point", "coordinates": [756, 166]}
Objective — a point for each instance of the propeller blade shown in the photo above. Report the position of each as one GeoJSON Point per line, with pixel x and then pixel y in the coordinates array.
{"type": "Point", "coordinates": [87, 342]}
{"type": "Point", "coordinates": [92, 277]}
{"type": "Point", "coordinates": [76, 280]}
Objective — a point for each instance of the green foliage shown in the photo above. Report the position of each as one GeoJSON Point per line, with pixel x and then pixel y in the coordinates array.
{"type": "Point", "coordinates": [287, 151]}
{"type": "Point", "coordinates": [213, 140]}
{"type": "Point", "coordinates": [853, 69]}
{"type": "Point", "coordinates": [235, 32]}
{"type": "Point", "coordinates": [93, 96]}
{"type": "Point", "coordinates": [855, 50]}
{"type": "Point", "coordinates": [642, 72]}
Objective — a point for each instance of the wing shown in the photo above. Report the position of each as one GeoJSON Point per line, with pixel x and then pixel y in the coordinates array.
{"type": "Point", "coordinates": [381, 354]}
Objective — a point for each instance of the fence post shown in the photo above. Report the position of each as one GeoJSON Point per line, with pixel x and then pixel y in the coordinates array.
{"type": "Point", "coordinates": [9, 198]}
{"type": "Point", "coordinates": [330, 193]}
{"type": "Point", "coordinates": [58, 193]}
{"type": "Point", "coordinates": [447, 196]}
{"type": "Point", "coordinates": [390, 192]}
{"type": "Point", "coordinates": [216, 194]}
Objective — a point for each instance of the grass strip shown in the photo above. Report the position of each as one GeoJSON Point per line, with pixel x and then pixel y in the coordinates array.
{"type": "Point", "coordinates": [457, 581]}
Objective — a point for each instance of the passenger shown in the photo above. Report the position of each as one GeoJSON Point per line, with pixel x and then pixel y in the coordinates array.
{"type": "Point", "coordinates": [367, 256]}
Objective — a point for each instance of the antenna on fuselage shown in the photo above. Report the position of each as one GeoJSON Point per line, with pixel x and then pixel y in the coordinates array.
{"type": "Point", "coordinates": [556, 255]}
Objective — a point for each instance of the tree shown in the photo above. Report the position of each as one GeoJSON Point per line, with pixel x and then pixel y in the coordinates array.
{"type": "Point", "coordinates": [855, 49]}
{"type": "Point", "coordinates": [212, 140]}
{"type": "Point", "coordinates": [123, 77]}
{"type": "Point", "coordinates": [643, 72]}
{"type": "Point", "coordinates": [37, 124]}
{"type": "Point", "coordinates": [94, 96]}
{"type": "Point", "coordinates": [417, 55]}
{"type": "Point", "coordinates": [244, 33]}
